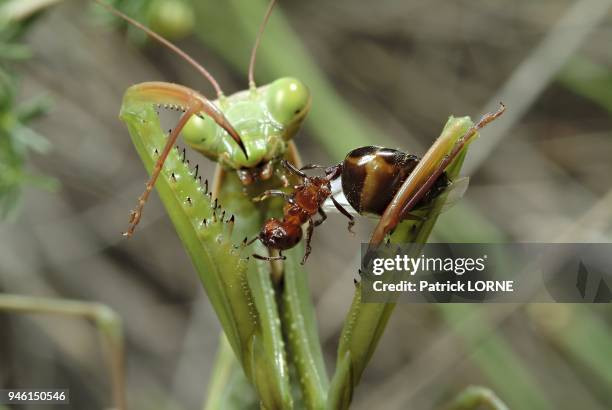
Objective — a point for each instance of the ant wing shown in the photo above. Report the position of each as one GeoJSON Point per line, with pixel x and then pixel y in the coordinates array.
{"type": "Point", "coordinates": [338, 195]}
{"type": "Point", "coordinates": [454, 192]}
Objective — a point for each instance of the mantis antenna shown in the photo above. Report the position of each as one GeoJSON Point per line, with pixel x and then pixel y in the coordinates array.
{"type": "Point", "coordinates": [257, 41]}
{"type": "Point", "coordinates": [166, 43]}
{"type": "Point", "coordinates": [196, 104]}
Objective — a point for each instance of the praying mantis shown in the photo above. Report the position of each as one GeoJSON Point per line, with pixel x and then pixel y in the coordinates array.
{"type": "Point", "coordinates": [264, 308]}
{"type": "Point", "coordinates": [248, 133]}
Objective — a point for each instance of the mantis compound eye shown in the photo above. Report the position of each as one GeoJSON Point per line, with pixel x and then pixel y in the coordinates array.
{"type": "Point", "coordinates": [198, 130]}
{"type": "Point", "coordinates": [288, 101]}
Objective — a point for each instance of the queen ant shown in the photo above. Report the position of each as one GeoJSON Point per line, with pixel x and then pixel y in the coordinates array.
{"type": "Point", "coordinates": [370, 177]}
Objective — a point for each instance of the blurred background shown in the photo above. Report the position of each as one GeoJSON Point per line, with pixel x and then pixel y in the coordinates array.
{"type": "Point", "coordinates": [386, 73]}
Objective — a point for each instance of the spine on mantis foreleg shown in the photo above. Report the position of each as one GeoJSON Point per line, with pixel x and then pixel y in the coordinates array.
{"type": "Point", "coordinates": [239, 291]}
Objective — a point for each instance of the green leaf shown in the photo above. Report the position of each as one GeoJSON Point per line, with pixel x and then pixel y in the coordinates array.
{"type": "Point", "coordinates": [341, 389]}
{"type": "Point", "coordinates": [270, 370]}
{"type": "Point", "coordinates": [301, 331]}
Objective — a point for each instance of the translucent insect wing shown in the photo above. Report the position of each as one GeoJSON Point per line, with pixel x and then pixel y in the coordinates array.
{"type": "Point", "coordinates": [454, 192]}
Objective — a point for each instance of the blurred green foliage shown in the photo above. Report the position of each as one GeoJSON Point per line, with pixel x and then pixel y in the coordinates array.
{"type": "Point", "coordinates": [588, 79]}
{"type": "Point", "coordinates": [17, 139]}
{"type": "Point", "coordinates": [172, 19]}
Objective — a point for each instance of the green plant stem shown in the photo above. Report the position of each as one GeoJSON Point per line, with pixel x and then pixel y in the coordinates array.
{"type": "Point", "coordinates": [221, 374]}
{"type": "Point", "coordinates": [495, 358]}
{"type": "Point", "coordinates": [301, 331]}
{"type": "Point", "coordinates": [476, 397]}
{"type": "Point", "coordinates": [229, 388]}
{"type": "Point", "coordinates": [268, 355]}
{"type": "Point", "coordinates": [589, 79]}
{"type": "Point", "coordinates": [341, 389]}
{"type": "Point", "coordinates": [106, 320]}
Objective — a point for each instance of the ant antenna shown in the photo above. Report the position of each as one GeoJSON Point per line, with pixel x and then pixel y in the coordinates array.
{"type": "Point", "coordinates": [257, 41]}
{"type": "Point", "coordinates": [166, 43]}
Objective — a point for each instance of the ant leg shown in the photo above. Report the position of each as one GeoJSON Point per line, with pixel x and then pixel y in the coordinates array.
{"type": "Point", "coordinates": [345, 213]}
{"type": "Point", "coordinates": [312, 166]}
{"type": "Point", "coordinates": [334, 171]}
{"type": "Point", "coordinates": [274, 192]}
{"type": "Point", "coordinates": [323, 217]}
{"type": "Point", "coordinates": [280, 257]}
{"type": "Point", "coordinates": [251, 241]}
{"type": "Point", "coordinates": [311, 226]}
{"type": "Point", "coordinates": [291, 168]}
{"type": "Point", "coordinates": [264, 258]}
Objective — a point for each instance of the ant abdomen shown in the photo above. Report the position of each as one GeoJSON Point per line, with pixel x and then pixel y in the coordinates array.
{"type": "Point", "coordinates": [279, 235]}
{"type": "Point", "coordinates": [371, 176]}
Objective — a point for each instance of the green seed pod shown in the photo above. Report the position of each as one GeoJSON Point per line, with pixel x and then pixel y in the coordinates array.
{"type": "Point", "coordinates": [172, 19]}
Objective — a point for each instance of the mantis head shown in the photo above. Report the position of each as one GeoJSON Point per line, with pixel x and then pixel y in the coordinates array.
{"type": "Point", "coordinates": [266, 118]}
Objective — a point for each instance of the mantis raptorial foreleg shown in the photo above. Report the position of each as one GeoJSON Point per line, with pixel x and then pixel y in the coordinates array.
{"type": "Point", "coordinates": [366, 321]}
{"type": "Point", "coordinates": [239, 289]}
{"type": "Point", "coordinates": [184, 99]}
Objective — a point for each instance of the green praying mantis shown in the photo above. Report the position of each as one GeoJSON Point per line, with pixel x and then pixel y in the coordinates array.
{"type": "Point", "coordinates": [248, 131]}
{"type": "Point", "coordinates": [264, 308]}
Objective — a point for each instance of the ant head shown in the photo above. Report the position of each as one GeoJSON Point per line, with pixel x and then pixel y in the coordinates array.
{"type": "Point", "coordinates": [277, 235]}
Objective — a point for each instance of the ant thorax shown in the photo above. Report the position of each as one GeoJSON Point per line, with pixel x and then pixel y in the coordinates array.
{"type": "Point", "coordinates": [312, 193]}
